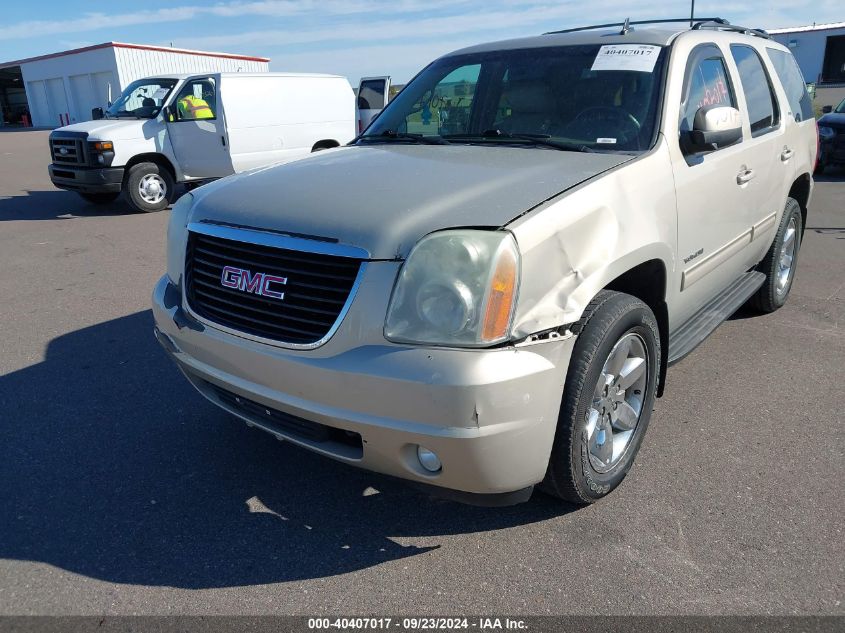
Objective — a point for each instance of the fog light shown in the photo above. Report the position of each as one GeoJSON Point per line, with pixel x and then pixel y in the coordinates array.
{"type": "Point", "coordinates": [428, 459]}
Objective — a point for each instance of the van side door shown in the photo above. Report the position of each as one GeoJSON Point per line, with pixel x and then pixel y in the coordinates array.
{"type": "Point", "coordinates": [373, 94]}
{"type": "Point", "coordinates": [197, 129]}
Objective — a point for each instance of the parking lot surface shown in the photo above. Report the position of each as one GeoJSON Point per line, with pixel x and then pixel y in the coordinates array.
{"type": "Point", "coordinates": [122, 491]}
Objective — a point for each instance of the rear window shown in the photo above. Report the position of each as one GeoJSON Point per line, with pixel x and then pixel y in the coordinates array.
{"type": "Point", "coordinates": [793, 83]}
{"type": "Point", "coordinates": [762, 106]}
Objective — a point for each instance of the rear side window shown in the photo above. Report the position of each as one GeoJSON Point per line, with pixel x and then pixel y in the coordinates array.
{"type": "Point", "coordinates": [763, 112]}
{"type": "Point", "coordinates": [793, 83]}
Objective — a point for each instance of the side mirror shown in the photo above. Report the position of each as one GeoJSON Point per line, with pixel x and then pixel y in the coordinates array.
{"type": "Point", "coordinates": [97, 114]}
{"type": "Point", "coordinates": [715, 127]}
{"type": "Point", "coordinates": [827, 109]}
{"type": "Point", "coordinates": [169, 113]}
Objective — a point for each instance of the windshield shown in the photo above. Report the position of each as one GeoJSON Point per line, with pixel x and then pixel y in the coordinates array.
{"type": "Point", "coordinates": [142, 99]}
{"type": "Point", "coordinates": [568, 97]}
{"type": "Point", "coordinates": [840, 109]}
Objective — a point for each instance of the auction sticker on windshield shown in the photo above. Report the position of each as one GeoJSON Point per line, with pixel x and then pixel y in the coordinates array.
{"type": "Point", "coordinates": [636, 57]}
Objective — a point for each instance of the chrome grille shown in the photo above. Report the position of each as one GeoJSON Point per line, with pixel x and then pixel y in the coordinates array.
{"type": "Point", "coordinates": [67, 151]}
{"type": "Point", "coordinates": [316, 292]}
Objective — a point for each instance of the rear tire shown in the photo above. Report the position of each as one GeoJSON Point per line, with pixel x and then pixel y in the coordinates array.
{"type": "Point", "coordinates": [607, 400]}
{"type": "Point", "coordinates": [99, 198]}
{"type": "Point", "coordinates": [779, 263]}
{"type": "Point", "coordinates": [149, 187]}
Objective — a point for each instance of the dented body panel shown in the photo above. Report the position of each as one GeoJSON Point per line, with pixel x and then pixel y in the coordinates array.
{"type": "Point", "coordinates": [574, 245]}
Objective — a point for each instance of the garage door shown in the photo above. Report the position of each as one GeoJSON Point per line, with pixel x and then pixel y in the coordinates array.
{"type": "Point", "coordinates": [56, 101]}
{"type": "Point", "coordinates": [105, 88]}
{"type": "Point", "coordinates": [37, 96]}
{"type": "Point", "coordinates": [82, 95]}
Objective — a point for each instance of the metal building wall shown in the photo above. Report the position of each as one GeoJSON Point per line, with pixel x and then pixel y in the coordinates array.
{"type": "Point", "coordinates": [135, 63]}
{"type": "Point", "coordinates": [808, 48]}
{"type": "Point", "coordinates": [51, 95]}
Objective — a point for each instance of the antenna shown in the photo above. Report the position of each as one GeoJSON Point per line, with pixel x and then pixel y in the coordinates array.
{"type": "Point", "coordinates": [692, 12]}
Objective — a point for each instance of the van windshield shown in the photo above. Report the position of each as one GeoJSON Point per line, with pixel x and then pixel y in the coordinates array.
{"type": "Point", "coordinates": [142, 99]}
{"type": "Point", "coordinates": [585, 97]}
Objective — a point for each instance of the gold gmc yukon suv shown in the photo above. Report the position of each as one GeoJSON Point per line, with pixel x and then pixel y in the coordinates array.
{"type": "Point", "coordinates": [484, 290]}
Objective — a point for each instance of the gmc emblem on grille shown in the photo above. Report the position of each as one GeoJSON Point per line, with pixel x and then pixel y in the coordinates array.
{"type": "Point", "coordinates": [256, 283]}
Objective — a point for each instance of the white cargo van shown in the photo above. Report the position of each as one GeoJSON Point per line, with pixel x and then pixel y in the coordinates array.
{"type": "Point", "coordinates": [191, 128]}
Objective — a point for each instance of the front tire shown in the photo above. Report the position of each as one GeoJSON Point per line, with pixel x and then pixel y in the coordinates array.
{"type": "Point", "coordinates": [99, 198]}
{"type": "Point", "coordinates": [149, 187]}
{"type": "Point", "coordinates": [779, 263]}
{"type": "Point", "coordinates": [607, 400]}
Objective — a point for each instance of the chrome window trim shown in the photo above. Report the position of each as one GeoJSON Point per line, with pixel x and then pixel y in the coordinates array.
{"type": "Point", "coordinates": [276, 240]}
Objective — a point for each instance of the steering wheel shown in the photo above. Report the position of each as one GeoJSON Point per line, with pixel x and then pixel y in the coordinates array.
{"type": "Point", "coordinates": [603, 115]}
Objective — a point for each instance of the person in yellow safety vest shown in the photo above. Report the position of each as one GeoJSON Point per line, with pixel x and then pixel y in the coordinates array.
{"type": "Point", "coordinates": [191, 107]}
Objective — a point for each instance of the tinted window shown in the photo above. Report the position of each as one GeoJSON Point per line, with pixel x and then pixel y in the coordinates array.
{"type": "Point", "coordinates": [568, 94]}
{"type": "Point", "coordinates": [707, 84]}
{"type": "Point", "coordinates": [371, 95]}
{"type": "Point", "coordinates": [793, 83]}
{"type": "Point", "coordinates": [446, 108]}
{"type": "Point", "coordinates": [762, 105]}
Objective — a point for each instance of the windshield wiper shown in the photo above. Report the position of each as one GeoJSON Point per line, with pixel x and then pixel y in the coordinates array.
{"type": "Point", "coordinates": [123, 114]}
{"type": "Point", "coordinates": [405, 136]}
{"type": "Point", "coordinates": [494, 136]}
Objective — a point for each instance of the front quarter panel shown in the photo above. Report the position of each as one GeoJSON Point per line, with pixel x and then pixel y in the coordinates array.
{"type": "Point", "coordinates": [575, 245]}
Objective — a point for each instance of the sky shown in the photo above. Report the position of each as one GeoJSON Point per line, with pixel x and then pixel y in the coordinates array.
{"type": "Point", "coordinates": [350, 37]}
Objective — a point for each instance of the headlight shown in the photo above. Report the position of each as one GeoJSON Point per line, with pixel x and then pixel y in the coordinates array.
{"type": "Point", "coordinates": [457, 288]}
{"type": "Point", "coordinates": [177, 236]}
{"type": "Point", "coordinates": [102, 152]}
{"type": "Point", "coordinates": [826, 132]}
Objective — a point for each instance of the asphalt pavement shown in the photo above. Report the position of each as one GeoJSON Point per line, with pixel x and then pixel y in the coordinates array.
{"type": "Point", "coordinates": [122, 491]}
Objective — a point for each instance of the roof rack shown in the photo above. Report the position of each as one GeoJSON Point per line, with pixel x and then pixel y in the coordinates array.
{"type": "Point", "coordinates": [724, 25]}
{"type": "Point", "coordinates": [628, 23]}
{"type": "Point", "coordinates": [695, 25]}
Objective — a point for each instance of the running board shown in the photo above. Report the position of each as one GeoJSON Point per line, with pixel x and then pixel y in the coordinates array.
{"type": "Point", "coordinates": [702, 324]}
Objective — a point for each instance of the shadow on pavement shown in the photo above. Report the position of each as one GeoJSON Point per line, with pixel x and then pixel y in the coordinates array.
{"type": "Point", "coordinates": [57, 205]}
{"type": "Point", "coordinates": [114, 468]}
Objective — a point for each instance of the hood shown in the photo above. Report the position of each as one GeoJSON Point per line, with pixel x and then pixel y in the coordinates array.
{"type": "Point", "coordinates": [384, 198]}
{"type": "Point", "coordinates": [110, 129]}
{"type": "Point", "coordinates": [833, 118]}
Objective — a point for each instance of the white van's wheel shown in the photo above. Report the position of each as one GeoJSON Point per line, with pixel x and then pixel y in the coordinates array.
{"type": "Point", "coordinates": [149, 187]}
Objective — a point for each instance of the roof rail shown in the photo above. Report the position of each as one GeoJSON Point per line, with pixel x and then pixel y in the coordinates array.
{"type": "Point", "coordinates": [695, 25]}
{"type": "Point", "coordinates": [724, 25]}
{"type": "Point", "coordinates": [628, 23]}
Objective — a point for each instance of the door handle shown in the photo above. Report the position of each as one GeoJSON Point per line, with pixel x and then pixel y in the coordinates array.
{"type": "Point", "coordinates": [223, 139]}
{"type": "Point", "coordinates": [744, 176]}
{"type": "Point", "coordinates": [786, 154]}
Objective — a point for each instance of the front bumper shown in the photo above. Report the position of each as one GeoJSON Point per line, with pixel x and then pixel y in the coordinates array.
{"type": "Point", "coordinates": [490, 415]}
{"type": "Point", "coordinates": [87, 179]}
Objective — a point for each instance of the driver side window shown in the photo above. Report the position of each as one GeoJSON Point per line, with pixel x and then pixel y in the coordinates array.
{"type": "Point", "coordinates": [707, 83]}
{"type": "Point", "coordinates": [197, 101]}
